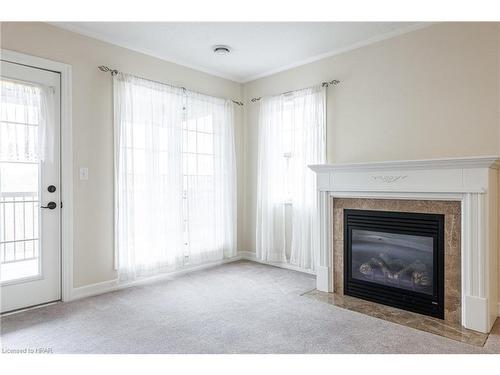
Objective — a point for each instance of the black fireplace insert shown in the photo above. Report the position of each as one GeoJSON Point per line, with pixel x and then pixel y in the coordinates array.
{"type": "Point", "coordinates": [395, 258]}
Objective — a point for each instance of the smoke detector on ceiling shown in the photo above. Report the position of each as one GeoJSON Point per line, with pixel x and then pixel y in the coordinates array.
{"type": "Point", "coordinates": [221, 49]}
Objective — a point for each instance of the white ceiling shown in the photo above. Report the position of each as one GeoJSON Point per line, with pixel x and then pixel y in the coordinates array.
{"type": "Point", "coordinates": [259, 48]}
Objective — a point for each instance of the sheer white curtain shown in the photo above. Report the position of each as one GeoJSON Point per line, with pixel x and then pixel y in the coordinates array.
{"type": "Point", "coordinates": [30, 104]}
{"type": "Point", "coordinates": [148, 176]}
{"type": "Point", "coordinates": [174, 177]}
{"type": "Point", "coordinates": [292, 136]}
{"type": "Point", "coordinates": [209, 178]}
{"type": "Point", "coordinates": [271, 195]}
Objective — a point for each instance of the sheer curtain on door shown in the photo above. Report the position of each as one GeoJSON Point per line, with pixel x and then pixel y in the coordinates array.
{"type": "Point", "coordinates": [25, 110]}
{"type": "Point", "coordinates": [174, 197]}
{"type": "Point", "coordinates": [292, 136]}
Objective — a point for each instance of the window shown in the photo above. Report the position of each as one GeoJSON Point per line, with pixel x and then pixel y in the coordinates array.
{"type": "Point", "coordinates": [293, 147]}
{"type": "Point", "coordinates": [288, 134]}
{"type": "Point", "coordinates": [197, 169]}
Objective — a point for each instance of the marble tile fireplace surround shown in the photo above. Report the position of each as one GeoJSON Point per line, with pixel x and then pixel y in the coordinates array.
{"type": "Point", "coordinates": [463, 190]}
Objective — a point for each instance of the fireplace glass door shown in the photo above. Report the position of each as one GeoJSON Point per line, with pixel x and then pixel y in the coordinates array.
{"type": "Point", "coordinates": [395, 258]}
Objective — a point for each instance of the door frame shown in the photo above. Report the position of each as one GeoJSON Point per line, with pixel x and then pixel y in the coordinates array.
{"type": "Point", "coordinates": [65, 70]}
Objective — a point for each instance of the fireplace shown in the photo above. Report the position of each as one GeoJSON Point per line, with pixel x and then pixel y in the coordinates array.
{"type": "Point", "coordinates": [463, 189]}
{"type": "Point", "coordinates": [395, 258]}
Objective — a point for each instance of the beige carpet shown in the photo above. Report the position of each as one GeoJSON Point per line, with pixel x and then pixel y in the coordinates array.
{"type": "Point", "coordinates": [241, 307]}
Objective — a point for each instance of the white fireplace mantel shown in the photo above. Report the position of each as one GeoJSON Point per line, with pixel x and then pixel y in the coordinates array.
{"type": "Point", "coordinates": [472, 181]}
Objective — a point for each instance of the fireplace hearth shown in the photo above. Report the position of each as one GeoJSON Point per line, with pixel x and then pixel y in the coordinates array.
{"type": "Point", "coordinates": [395, 258]}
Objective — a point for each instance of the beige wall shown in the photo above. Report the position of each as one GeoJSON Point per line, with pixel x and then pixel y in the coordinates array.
{"type": "Point", "coordinates": [430, 93]}
{"type": "Point", "coordinates": [92, 127]}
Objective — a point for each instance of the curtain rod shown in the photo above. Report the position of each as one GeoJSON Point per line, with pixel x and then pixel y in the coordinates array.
{"type": "Point", "coordinates": [333, 82]}
{"type": "Point", "coordinates": [113, 72]}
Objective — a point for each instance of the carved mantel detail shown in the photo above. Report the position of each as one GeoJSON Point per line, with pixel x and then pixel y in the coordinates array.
{"type": "Point", "coordinates": [389, 179]}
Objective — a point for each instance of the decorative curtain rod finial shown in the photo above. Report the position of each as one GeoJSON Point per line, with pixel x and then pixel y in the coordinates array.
{"type": "Point", "coordinates": [334, 82]}
{"type": "Point", "coordinates": [106, 69]}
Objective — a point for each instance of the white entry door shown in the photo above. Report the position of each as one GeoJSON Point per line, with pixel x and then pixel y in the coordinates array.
{"type": "Point", "coordinates": [30, 249]}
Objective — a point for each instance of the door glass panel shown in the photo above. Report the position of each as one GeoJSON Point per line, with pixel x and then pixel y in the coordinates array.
{"type": "Point", "coordinates": [20, 109]}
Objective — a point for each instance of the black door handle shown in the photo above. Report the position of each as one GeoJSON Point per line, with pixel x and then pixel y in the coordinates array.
{"type": "Point", "coordinates": [50, 205]}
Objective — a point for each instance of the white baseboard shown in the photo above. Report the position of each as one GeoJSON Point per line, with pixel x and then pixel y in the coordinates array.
{"type": "Point", "coordinates": [94, 289]}
{"type": "Point", "coordinates": [250, 255]}
{"type": "Point", "coordinates": [112, 285]}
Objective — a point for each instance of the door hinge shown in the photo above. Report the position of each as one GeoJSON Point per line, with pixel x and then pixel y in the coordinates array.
{"type": "Point", "coordinates": [61, 205]}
